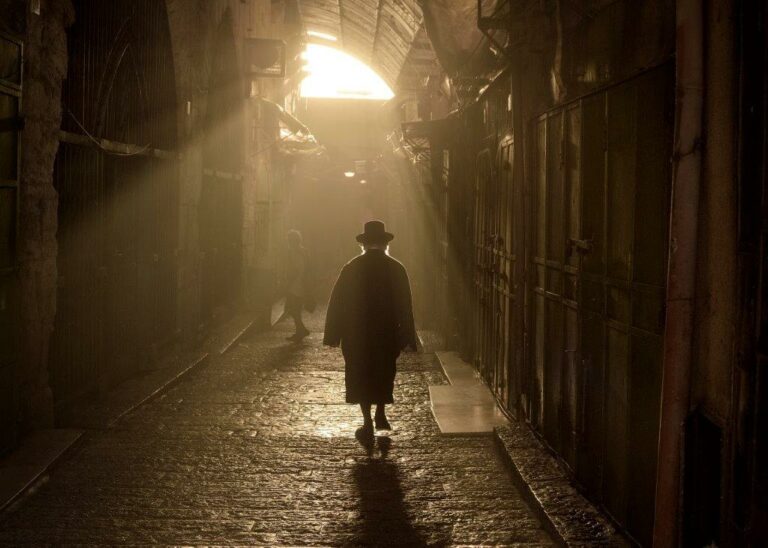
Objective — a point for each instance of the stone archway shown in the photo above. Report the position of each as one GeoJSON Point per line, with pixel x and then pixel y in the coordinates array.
{"type": "Point", "coordinates": [116, 175]}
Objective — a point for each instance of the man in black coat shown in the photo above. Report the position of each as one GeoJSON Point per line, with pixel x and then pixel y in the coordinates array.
{"type": "Point", "coordinates": [371, 317]}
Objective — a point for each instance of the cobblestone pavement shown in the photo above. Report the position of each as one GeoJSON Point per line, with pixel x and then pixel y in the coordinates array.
{"type": "Point", "coordinates": [256, 447]}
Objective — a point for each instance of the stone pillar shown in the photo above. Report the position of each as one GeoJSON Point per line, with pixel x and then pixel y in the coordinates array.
{"type": "Point", "coordinates": [45, 68]}
{"type": "Point", "coordinates": [261, 265]}
{"type": "Point", "coordinates": [190, 23]}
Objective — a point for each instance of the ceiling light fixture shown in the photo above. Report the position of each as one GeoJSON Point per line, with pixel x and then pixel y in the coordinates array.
{"type": "Point", "coordinates": [349, 174]}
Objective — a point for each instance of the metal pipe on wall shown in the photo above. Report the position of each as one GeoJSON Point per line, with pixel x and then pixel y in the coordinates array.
{"type": "Point", "coordinates": [676, 379]}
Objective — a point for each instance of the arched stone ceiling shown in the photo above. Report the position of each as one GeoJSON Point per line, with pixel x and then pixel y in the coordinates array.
{"type": "Point", "coordinates": [378, 32]}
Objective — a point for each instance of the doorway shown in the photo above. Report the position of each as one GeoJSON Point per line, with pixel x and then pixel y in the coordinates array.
{"type": "Point", "coordinates": [597, 287]}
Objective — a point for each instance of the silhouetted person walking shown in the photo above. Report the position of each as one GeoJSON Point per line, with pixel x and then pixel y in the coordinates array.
{"type": "Point", "coordinates": [371, 317]}
{"type": "Point", "coordinates": [297, 284]}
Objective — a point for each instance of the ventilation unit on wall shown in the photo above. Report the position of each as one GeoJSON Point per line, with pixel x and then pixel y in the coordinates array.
{"type": "Point", "coordinates": [264, 58]}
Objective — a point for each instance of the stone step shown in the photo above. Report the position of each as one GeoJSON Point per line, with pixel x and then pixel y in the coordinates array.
{"type": "Point", "coordinates": [466, 405]}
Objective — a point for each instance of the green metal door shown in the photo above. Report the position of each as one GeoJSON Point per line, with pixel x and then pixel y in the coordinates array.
{"type": "Point", "coordinates": [496, 279]}
{"type": "Point", "coordinates": [600, 200]}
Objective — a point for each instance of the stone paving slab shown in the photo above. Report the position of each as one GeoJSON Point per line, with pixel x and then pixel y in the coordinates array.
{"type": "Point", "coordinates": [256, 447]}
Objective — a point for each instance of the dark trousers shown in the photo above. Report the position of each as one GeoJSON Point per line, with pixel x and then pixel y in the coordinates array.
{"type": "Point", "coordinates": [293, 307]}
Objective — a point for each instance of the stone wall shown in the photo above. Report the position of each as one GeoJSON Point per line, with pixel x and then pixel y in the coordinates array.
{"type": "Point", "coordinates": [45, 68]}
{"type": "Point", "coordinates": [193, 24]}
{"type": "Point", "coordinates": [191, 27]}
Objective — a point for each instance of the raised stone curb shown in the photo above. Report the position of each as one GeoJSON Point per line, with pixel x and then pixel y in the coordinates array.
{"type": "Point", "coordinates": [430, 341]}
{"type": "Point", "coordinates": [277, 313]}
{"type": "Point", "coordinates": [43, 448]}
{"type": "Point", "coordinates": [36, 454]}
{"type": "Point", "coordinates": [568, 515]}
{"type": "Point", "coordinates": [104, 412]}
{"type": "Point", "coordinates": [226, 335]}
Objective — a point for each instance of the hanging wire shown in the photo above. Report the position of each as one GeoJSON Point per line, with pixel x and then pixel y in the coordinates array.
{"type": "Point", "coordinates": [145, 148]}
{"type": "Point", "coordinates": [142, 150]}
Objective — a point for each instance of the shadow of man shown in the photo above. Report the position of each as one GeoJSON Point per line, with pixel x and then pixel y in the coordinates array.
{"type": "Point", "coordinates": [384, 519]}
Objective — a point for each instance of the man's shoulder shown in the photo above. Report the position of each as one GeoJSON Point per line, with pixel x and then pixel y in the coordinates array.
{"type": "Point", "coordinates": [351, 265]}
{"type": "Point", "coordinates": [397, 267]}
{"type": "Point", "coordinates": [395, 263]}
{"type": "Point", "coordinates": [353, 262]}
{"type": "Point", "coordinates": [358, 261]}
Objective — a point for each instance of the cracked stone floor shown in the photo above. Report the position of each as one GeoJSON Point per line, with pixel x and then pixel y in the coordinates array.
{"type": "Point", "coordinates": [256, 447]}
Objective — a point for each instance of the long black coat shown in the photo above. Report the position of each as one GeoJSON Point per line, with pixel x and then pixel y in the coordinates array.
{"type": "Point", "coordinates": [371, 316]}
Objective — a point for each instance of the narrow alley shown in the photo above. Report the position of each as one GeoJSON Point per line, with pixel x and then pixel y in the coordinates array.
{"type": "Point", "coordinates": [562, 203]}
{"type": "Point", "coordinates": [256, 447]}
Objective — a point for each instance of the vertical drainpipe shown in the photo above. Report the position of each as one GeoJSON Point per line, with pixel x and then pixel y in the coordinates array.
{"type": "Point", "coordinates": [686, 161]}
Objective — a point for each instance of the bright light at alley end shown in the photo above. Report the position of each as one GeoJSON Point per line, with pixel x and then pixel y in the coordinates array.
{"type": "Point", "coordinates": [321, 35]}
{"type": "Point", "coordinates": [331, 73]}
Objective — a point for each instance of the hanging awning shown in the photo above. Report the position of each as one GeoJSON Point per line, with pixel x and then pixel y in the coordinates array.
{"type": "Point", "coordinates": [296, 139]}
{"type": "Point", "coordinates": [417, 139]}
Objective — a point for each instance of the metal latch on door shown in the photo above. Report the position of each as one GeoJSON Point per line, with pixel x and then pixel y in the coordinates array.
{"type": "Point", "coordinates": [584, 246]}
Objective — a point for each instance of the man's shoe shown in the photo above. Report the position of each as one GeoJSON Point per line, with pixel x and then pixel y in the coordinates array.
{"type": "Point", "coordinates": [298, 337]}
{"type": "Point", "coordinates": [366, 430]}
{"type": "Point", "coordinates": [364, 436]}
{"type": "Point", "coordinates": [382, 423]}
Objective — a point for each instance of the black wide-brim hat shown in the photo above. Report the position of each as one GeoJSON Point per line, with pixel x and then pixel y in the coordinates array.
{"type": "Point", "coordinates": [375, 233]}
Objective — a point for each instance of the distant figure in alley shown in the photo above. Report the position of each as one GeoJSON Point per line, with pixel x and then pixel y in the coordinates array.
{"type": "Point", "coordinates": [297, 292]}
{"type": "Point", "coordinates": [371, 317]}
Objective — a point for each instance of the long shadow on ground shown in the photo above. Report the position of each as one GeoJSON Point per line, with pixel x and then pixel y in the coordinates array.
{"type": "Point", "coordinates": [383, 516]}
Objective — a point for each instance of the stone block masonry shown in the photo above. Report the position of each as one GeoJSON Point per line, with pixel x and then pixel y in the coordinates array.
{"type": "Point", "coordinates": [45, 68]}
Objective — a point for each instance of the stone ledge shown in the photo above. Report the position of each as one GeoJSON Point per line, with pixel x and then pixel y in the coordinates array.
{"type": "Point", "coordinates": [34, 456]}
{"type": "Point", "coordinates": [277, 312]}
{"type": "Point", "coordinates": [430, 341]}
{"type": "Point", "coordinates": [105, 411]}
{"type": "Point", "coordinates": [568, 515]}
{"type": "Point", "coordinates": [224, 336]}
{"type": "Point", "coordinates": [466, 405]}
